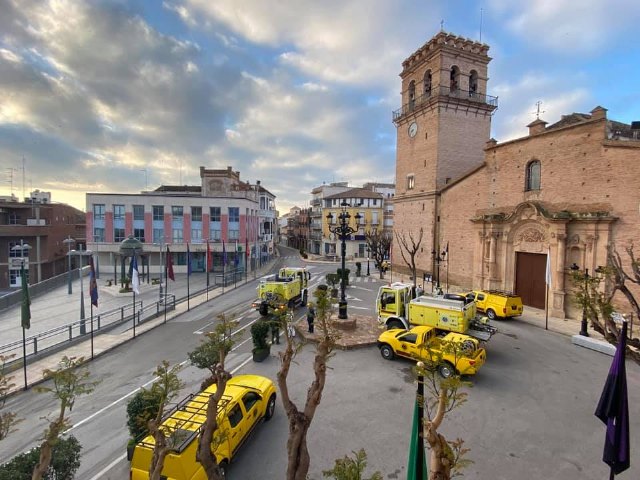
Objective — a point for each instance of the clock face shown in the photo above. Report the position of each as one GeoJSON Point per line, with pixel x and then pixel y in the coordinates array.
{"type": "Point", "coordinates": [413, 129]}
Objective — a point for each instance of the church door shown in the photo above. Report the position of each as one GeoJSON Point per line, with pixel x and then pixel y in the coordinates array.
{"type": "Point", "coordinates": [530, 274]}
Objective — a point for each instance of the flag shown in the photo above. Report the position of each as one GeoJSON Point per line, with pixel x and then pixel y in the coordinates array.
{"type": "Point", "coordinates": [209, 258]}
{"type": "Point", "coordinates": [613, 410]}
{"type": "Point", "coordinates": [246, 246]}
{"type": "Point", "coordinates": [169, 265]}
{"type": "Point", "coordinates": [25, 315]}
{"type": "Point", "coordinates": [133, 275]}
{"type": "Point", "coordinates": [417, 467]}
{"type": "Point", "coordinates": [224, 255]}
{"type": "Point", "coordinates": [188, 261]}
{"type": "Point", "coordinates": [93, 285]}
{"type": "Point", "coordinates": [548, 272]}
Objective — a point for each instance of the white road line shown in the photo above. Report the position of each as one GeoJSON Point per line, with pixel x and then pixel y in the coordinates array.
{"type": "Point", "coordinates": [119, 459]}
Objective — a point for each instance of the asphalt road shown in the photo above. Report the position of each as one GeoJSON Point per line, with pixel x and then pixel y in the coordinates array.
{"type": "Point", "coordinates": [529, 413]}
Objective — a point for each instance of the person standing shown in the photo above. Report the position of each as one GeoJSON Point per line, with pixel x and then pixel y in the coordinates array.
{"type": "Point", "coordinates": [311, 316]}
{"type": "Point", "coordinates": [275, 331]}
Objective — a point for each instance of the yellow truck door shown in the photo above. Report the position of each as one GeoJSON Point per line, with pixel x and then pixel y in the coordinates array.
{"type": "Point", "coordinates": [237, 426]}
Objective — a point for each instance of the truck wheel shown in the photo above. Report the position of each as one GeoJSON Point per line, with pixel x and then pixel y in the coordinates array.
{"type": "Point", "coordinates": [271, 407]}
{"type": "Point", "coordinates": [224, 466]}
{"type": "Point", "coordinates": [387, 352]}
{"type": "Point", "coordinates": [468, 347]}
{"type": "Point", "coordinates": [394, 324]}
{"type": "Point", "coordinates": [446, 370]}
{"type": "Point", "coordinates": [263, 310]}
{"type": "Point", "coordinates": [491, 314]}
{"type": "Point", "coordinates": [304, 299]}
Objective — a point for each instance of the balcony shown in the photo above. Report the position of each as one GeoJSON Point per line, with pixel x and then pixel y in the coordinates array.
{"type": "Point", "coordinates": [481, 100]}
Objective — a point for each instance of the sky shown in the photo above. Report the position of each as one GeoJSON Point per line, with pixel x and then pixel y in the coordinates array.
{"type": "Point", "coordinates": [124, 96]}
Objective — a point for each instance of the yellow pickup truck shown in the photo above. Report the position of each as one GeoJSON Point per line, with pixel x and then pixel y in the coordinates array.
{"type": "Point", "coordinates": [496, 303]}
{"type": "Point", "coordinates": [247, 400]}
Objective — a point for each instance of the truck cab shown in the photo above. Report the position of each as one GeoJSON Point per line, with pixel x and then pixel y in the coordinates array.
{"type": "Point", "coordinates": [290, 286]}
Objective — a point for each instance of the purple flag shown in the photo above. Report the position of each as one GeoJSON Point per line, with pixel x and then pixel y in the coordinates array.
{"type": "Point", "coordinates": [613, 410]}
{"type": "Point", "coordinates": [93, 285]}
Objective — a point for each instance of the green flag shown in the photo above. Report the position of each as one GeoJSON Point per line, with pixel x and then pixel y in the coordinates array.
{"type": "Point", "coordinates": [417, 467]}
{"type": "Point", "coordinates": [26, 302]}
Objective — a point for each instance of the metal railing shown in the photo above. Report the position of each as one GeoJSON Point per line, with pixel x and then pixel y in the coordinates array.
{"type": "Point", "coordinates": [445, 91]}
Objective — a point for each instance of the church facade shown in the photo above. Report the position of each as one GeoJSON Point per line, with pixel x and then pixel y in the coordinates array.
{"type": "Point", "coordinates": [492, 212]}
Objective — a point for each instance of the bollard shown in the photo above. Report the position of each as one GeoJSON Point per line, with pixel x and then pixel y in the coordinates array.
{"type": "Point", "coordinates": [121, 313]}
{"type": "Point", "coordinates": [35, 345]}
{"type": "Point", "coordinates": [98, 322]}
{"type": "Point", "coordinates": [70, 331]}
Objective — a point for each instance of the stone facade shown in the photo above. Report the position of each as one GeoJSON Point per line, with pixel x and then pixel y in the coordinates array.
{"type": "Point", "coordinates": [489, 208]}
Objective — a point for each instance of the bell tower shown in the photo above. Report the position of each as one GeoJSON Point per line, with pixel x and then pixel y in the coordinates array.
{"type": "Point", "coordinates": [442, 128]}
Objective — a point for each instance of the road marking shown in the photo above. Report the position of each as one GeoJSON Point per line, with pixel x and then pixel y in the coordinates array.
{"type": "Point", "coordinates": [362, 288]}
{"type": "Point", "coordinates": [119, 459]}
{"type": "Point", "coordinates": [359, 308]}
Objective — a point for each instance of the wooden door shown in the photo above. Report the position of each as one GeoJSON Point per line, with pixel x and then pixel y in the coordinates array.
{"type": "Point", "coordinates": [530, 274]}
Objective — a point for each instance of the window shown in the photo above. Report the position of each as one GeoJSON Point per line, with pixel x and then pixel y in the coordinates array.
{"type": "Point", "coordinates": [235, 415]}
{"type": "Point", "coordinates": [158, 212]}
{"type": "Point", "coordinates": [176, 212]}
{"type": "Point", "coordinates": [250, 399]}
{"type": "Point", "coordinates": [532, 181]}
{"type": "Point", "coordinates": [139, 234]}
{"type": "Point", "coordinates": [234, 214]}
{"type": "Point", "coordinates": [412, 95]}
{"type": "Point", "coordinates": [234, 234]}
{"type": "Point", "coordinates": [214, 213]}
{"type": "Point", "coordinates": [18, 252]}
{"type": "Point", "coordinates": [118, 234]}
{"type": "Point", "coordinates": [118, 212]}
{"type": "Point", "coordinates": [409, 338]}
{"type": "Point", "coordinates": [158, 235]}
{"type": "Point", "coordinates": [138, 212]}
{"type": "Point", "coordinates": [454, 79]}
{"type": "Point", "coordinates": [196, 235]}
{"type": "Point", "coordinates": [98, 234]}
{"type": "Point", "coordinates": [98, 212]}
{"type": "Point", "coordinates": [411, 182]}
{"type": "Point", "coordinates": [427, 83]}
{"type": "Point", "coordinates": [176, 235]}
{"type": "Point", "coordinates": [473, 83]}
{"type": "Point", "coordinates": [196, 214]}
{"type": "Point", "coordinates": [215, 234]}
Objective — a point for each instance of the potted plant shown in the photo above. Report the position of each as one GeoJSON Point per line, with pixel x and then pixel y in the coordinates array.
{"type": "Point", "coordinates": [358, 269]}
{"type": "Point", "coordinates": [259, 333]}
{"type": "Point", "coordinates": [333, 279]}
{"type": "Point", "coordinates": [346, 273]}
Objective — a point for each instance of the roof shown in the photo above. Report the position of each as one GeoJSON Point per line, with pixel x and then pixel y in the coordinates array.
{"type": "Point", "coordinates": [570, 119]}
{"type": "Point", "coordinates": [355, 193]}
{"type": "Point", "coordinates": [179, 188]}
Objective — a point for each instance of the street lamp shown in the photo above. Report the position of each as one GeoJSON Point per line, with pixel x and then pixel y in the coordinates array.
{"type": "Point", "coordinates": [81, 253]}
{"type": "Point", "coordinates": [21, 248]}
{"type": "Point", "coordinates": [343, 229]}
{"type": "Point", "coordinates": [368, 254]}
{"type": "Point", "coordinates": [68, 242]}
{"type": "Point", "coordinates": [440, 258]}
{"type": "Point", "coordinates": [583, 324]}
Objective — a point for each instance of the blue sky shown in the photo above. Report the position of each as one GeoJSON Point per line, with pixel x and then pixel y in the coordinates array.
{"type": "Point", "coordinates": [105, 96]}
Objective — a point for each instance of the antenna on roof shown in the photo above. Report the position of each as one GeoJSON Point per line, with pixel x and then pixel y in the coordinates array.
{"type": "Point", "coordinates": [481, 25]}
{"type": "Point", "coordinates": [442, 25]}
{"type": "Point", "coordinates": [538, 112]}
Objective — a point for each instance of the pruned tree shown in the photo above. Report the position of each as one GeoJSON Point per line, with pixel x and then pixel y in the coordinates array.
{"type": "Point", "coordinates": [348, 468]}
{"type": "Point", "coordinates": [379, 243]}
{"type": "Point", "coordinates": [409, 248]}
{"type": "Point", "coordinates": [8, 420]}
{"type": "Point", "coordinates": [213, 352]}
{"type": "Point", "coordinates": [165, 388]}
{"type": "Point", "coordinates": [447, 457]}
{"type": "Point", "coordinates": [298, 459]}
{"type": "Point", "coordinates": [597, 302]}
{"type": "Point", "coordinates": [69, 382]}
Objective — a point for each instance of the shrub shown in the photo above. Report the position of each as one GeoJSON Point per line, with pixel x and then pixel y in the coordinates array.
{"type": "Point", "coordinates": [346, 275]}
{"type": "Point", "coordinates": [143, 406]}
{"type": "Point", "coordinates": [259, 332]}
{"type": "Point", "coordinates": [64, 463]}
{"type": "Point", "coordinates": [332, 279]}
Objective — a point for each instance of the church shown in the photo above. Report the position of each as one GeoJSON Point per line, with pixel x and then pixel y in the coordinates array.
{"type": "Point", "coordinates": [492, 212]}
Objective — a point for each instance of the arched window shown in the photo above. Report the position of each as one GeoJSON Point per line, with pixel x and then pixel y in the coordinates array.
{"type": "Point", "coordinates": [454, 79]}
{"type": "Point", "coordinates": [532, 182]}
{"type": "Point", "coordinates": [473, 83]}
{"type": "Point", "coordinates": [412, 95]}
{"type": "Point", "coordinates": [427, 83]}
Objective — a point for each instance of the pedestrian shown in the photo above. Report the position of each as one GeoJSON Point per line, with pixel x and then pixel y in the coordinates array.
{"type": "Point", "coordinates": [275, 331]}
{"type": "Point", "coordinates": [311, 316]}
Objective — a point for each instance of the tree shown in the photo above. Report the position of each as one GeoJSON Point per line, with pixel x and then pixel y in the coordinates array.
{"type": "Point", "coordinates": [298, 459]}
{"type": "Point", "coordinates": [447, 457]}
{"type": "Point", "coordinates": [165, 388]}
{"type": "Point", "coordinates": [409, 247]}
{"type": "Point", "coordinates": [69, 382]}
{"type": "Point", "coordinates": [348, 468]}
{"type": "Point", "coordinates": [8, 420]}
{"type": "Point", "coordinates": [598, 303]}
{"type": "Point", "coordinates": [65, 461]}
{"type": "Point", "coordinates": [379, 243]}
{"type": "Point", "coordinates": [218, 344]}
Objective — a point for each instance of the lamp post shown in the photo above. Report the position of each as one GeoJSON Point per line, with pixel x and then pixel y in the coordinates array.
{"type": "Point", "coordinates": [161, 245]}
{"type": "Point", "coordinates": [21, 248]}
{"type": "Point", "coordinates": [439, 258]}
{"type": "Point", "coordinates": [81, 253]}
{"type": "Point", "coordinates": [368, 255]}
{"type": "Point", "coordinates": [68, 242]}
{"type": "Point", "coordinates": [342, 229]}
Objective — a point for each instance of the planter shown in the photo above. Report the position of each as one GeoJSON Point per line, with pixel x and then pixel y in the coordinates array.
{"type": "Point", "coordinates": [261, 354]}
{"type": "Point", "coordinates": [334, 293]}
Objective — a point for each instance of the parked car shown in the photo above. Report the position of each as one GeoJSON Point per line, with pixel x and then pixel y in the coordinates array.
{"type": "Point", "coordinates": [449, 354]}
{"type": "Point", "coordinates": [247, 399]}
{"type": "Point", "coordinates": [496, 304]}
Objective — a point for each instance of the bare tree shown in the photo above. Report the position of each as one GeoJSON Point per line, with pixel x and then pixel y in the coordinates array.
{"type": "Point", "coordinates": [379, 243]}
{"type": "Point", "coordinates": [69, 382]}
{"type": "Point", "coordinates": [165, 388]}
{"type": "Point", "coordinates": [218, 344]}
{"type": "Point", "coordinates": [300, 420]}
{"type": "Point", "coordinates": [8, 420]}
{"type": "Point", "coordinates": [409, 247]}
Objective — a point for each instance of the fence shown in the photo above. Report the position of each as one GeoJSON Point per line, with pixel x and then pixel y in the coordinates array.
{"type": "Point", "coordinates": [36, 289]}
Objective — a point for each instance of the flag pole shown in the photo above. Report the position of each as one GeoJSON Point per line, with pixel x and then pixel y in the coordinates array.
{"type": "Point", "coordinates": [91, 330]}
{"type": "Point", "coordinates": [207, 266]}
{"type": "Point", "coordinates": [546, 308]}
{"type": "Point", "coordinates": [24, 356]}
{"type": "Point", "coordinates": [166, 282]}
{"type": "Point", "coordinates": [188, 275]}
{"type": "Point", "coordinates": [25, 316]}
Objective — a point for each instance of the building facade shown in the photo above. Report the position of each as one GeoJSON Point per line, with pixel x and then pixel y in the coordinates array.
{"type": "Point", "coordinates": [32, 232]}
{"type": "Point", "coordinates": [316, 219]}
{"type": "Point", "coordinates": [234, 217]}
{"type": "Point", "coordinates": [491, 212]}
